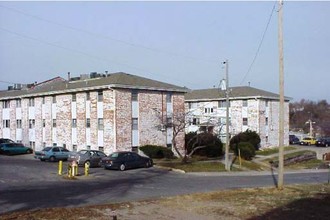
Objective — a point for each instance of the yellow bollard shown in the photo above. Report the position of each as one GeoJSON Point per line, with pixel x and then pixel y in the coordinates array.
{"type": "Point", "coordinates": [86, 169]}
{"type": "Point", "coordinates": [69, 170]}
{"type": "Point", "coordinates": [60, 167]}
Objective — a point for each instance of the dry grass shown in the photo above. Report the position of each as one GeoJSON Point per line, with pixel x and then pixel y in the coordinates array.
{"type": "Point", "coordinates": [293, 202]}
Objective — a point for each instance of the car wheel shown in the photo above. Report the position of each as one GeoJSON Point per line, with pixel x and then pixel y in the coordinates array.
{"type": "Point", "coordinates": [122, 167]}
{"type": "Point", "coordinates": [29, 151]}
{"type": "Point", "coordinates": [52, 159]}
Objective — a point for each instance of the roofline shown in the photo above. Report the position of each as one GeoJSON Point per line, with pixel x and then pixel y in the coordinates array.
{"type": "Point", "coordinates": [110, 86]}
{"type": "Point", "coordinates": [236, 98]}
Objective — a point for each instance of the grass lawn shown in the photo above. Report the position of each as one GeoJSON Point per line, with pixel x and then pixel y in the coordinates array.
{"type": "Point", "coordinates": [267, 152]}
{"type": "Point", "coordinates": [310, 201]}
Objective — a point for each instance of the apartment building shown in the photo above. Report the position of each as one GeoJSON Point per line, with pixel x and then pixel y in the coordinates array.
{"type": "Point", "coordinates": [107, 112]}
{"type": "Point", "coordinates": [249, 108]}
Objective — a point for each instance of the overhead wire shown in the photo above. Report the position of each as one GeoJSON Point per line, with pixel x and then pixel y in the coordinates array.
{"type": "Point", "coordinates": [260, 44]}
{"type": "Point", "coordinates": [107, 37]}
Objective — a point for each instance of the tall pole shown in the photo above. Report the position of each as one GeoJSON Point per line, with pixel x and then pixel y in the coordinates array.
{"type": "Point", "coordinates": [281, 86]}
{"type": "Point", "coordinates": [227, 165]}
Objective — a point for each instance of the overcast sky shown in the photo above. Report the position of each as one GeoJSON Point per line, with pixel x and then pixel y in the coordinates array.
{"type": "Point", "coordinates": [182, 43]}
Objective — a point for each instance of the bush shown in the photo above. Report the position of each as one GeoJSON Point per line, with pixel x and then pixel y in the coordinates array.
{"type": "Point", "coordinates": [159, 152]}
{"type": "Point", "coordinates": [212, 142]}
{"type": "Point", "coordinates": [247, 150]}
{"type": "Point", "coordinates": [247, 136]}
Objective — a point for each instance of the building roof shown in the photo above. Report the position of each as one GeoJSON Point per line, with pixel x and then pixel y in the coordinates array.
{"type": "Point", "coordinates": [115, 80]}
{"type": "Point", "coordinates": [243, 92]}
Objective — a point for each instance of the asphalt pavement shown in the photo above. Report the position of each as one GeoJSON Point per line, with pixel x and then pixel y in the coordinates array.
{"type": "Point", "coordinates": [29, 184]}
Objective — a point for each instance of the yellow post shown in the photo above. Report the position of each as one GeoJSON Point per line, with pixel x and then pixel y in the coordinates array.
{"type": "Point", "coordinates": [60, 167]}
{"type": "Point", "coordinates": [86, 169]}
{"type": "Point", "coordinates": [69, 170]}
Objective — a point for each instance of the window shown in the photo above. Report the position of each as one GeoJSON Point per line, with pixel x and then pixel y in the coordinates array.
{"type": "Point", "coordinates": [18, 103]}
{"type": "Point", "coordinates": [223, 104]}
{"type": "Point", "coordinates": [100, 124]}
{"type": "Point", "coordinates": [100, 96]}
{"type": "Point", "coordinates": [32, 123]}
{"type": "Point", "coordinates": [267, 102]}
{"type": "Point", "coordinates": [18, 123]}
{"type": "Point", "coordinates": [74, 123]}
{"type": "Point", "coordinates": [6, 104]}
{"type": "Point", "coordinates": [74, 97]}
{"type": "Point", "coordinates": [266, 121]}
{"type": "Point", "coordinates": [43, 123]}
{"type": "Point", "coordinates": [6, 123]}
{"type": "Point", "coordinates": [54, 144]}
{"type": "Point", "coordinates": [54, 99]}
{"type": "Point", "coordinates": [168, 97]}
{"type": "Point", "coordinates": [245, 121]}
{"type": "Point", "coordinates": [54, 123]}
{"type": "Point", "coordinates": [245, 103]}
{"type": "Point", "coordinates": [88, 122]}
{"type": "Point", "coordinates": [101, 148]}
{"type": "Point", "coordinates": [195, 121]}
{"type": "Point", "coordinates": [135, 124]}
{"type": "Point", "coordinates": [31, 102]}
{"type": "Point", "coordinates": [32, 144]}
{"type": "Point", "coordinates": [192, 105]}
{"type": "Point", "coordinates": [88, 96]}
{"type": "Point", "coordinates": [88, 147]}
{"type": "Point", "coordinates": [43, 100]}
{"type": "Point", "coordinates": [134, 95]}
{"type": "Point", "coordinates": [74, 148]}
{"type": "Point", "coordinates": [169, 122]}
{"type": "Point", "coordinates": [208, 110]}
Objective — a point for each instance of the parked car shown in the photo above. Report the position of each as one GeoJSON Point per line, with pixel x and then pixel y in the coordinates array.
{"type": "Point", "coordinates": [6, 140]}
{"type": "Point", "coordinates": [52, 154]}
{"type": "Point", "coordinates": [323, 142]}
{"type": "Point", "coordinates": [293, 139]}
{"type": "Point", "coordinates": [90, 157]}
{"type": "Point", "coordinates": [14, 148]}
{"type": "Point", "coordinates": [308, 141]}
{"type": "Point", "coordinates": [123, 160]}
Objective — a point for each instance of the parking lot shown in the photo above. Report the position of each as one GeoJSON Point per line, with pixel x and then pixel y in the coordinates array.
{"type": "Point", "coordinates": [27, 183]}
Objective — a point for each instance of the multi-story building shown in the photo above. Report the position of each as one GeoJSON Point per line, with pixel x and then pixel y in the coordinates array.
{"type": "Point", "coordinates": [108, 112]}
{"type": "Point", "coordinates": [249, 108]}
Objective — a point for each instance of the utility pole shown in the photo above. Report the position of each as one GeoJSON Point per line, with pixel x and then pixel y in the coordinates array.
{"type": "Point", "coordinates": [227, 165]}
{"type": "Point", "coordinates": [281, 86]}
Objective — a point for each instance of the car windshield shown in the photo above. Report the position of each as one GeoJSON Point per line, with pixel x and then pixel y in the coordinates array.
{"type": "Point", "coordinates": [47, 149]}
{"type": "Point", "coordinates": [114, 155]}
{"type": "Point", "coordinates": [82, 152]}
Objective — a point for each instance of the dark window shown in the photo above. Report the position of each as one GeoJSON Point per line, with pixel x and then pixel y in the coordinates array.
{"type": "Point", "coordinates": [74, 97]}
{"type": "Point", "coordinates": [245, 121]}
{"type": "Point", "coordinates": [88, 96]}
{"type": "Point", "coordinates": [43, 123]}
{"type": "Point", "coordinates": [245, 103]}
{"type": "Point", "coordinates": [88, 122]}
{"type": "Point", "coordinates": [100, 96]}
{"type": "Point", "coordinates": [100, 124]}
{"type": "Point", "coordinates": [31, 123]}
{"type": "Point", "coordinates": [54, 99]}
{"type": "Point", "coordinates": [134, 95]}
{"type": "Point", "coordinates": [56, 149]}
{"type": "Point", "coordinates": [6, 104]}
{"type": "Point", "coordinates": [18, 103]}
{"type": "Point", "coordinates": [135, 124]}
{"type": "Point", "coordinates": [31, 102]}
{"type": "Point", "coordinates": [54, 123]}
{"type": "Point", "coordinates": [6, 123]}
{"type": "Point", "coordinates": [168, 97]}
{"type": "Point", "coordinates": [19, 123]}
{"type": "Point", "coordinates": [74, 123]}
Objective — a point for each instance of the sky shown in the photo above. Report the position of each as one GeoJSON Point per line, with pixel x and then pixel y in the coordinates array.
{"type": "Point", "coordinates": [182, 43]}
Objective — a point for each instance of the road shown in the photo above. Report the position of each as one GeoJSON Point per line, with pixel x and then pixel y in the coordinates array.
{"type": "Point", "coordinates": [26, 183]}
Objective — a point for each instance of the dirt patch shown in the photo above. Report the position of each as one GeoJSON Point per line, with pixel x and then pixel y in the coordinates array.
{"type": "Point", "coordinates": [296, 201]}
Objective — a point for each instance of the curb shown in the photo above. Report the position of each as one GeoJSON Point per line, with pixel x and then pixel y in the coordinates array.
{"type": "Point", "coordinates": [170, 169]}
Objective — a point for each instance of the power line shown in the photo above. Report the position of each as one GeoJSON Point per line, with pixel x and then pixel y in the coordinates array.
{"type": "Point", "coordinates": [262, 39]}
{"type": "Point", "coordinates": [107, 37]}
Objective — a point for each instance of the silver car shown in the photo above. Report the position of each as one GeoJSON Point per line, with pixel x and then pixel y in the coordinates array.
{"type": "Point", "coordinates": [90, 157]}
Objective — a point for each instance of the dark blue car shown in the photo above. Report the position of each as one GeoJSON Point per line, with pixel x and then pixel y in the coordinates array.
{"type": "Point", "coordinates": [14, 148]}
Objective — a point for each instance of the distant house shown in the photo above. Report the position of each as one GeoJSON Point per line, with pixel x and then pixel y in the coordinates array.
{"type": "Point", "coordinates": [108, 112]}
{"type": "Point", "coordinates": [249, 108]}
